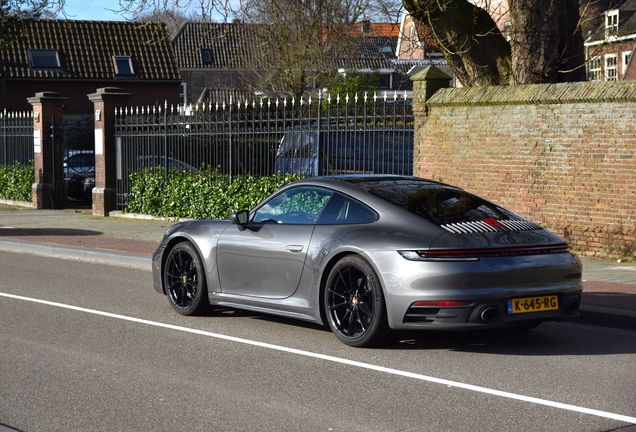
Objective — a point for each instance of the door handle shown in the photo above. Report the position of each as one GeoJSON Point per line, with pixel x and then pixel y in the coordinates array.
{"type": "Point", "coordinates": [294, 248]}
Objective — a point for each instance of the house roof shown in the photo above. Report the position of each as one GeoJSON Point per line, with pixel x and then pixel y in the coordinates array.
{"type": "Point", "coordinates": [235, 46]}
{"type": "Point", "coordinates": [86, 49]}
{"type": "Point", "coordinates": [626, 23]}
{"type": "Point", "coordinates": [231, 46]}
{"type": "Point", "coordinates": [375, 29]}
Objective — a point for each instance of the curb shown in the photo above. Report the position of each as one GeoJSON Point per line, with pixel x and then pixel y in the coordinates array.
{"type": "Point", "coordinates": [25, 204]}
{"type": "Point", "coordinates": [72, 252]}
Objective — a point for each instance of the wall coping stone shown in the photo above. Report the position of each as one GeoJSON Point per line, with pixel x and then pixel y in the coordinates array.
{"type": "Point", "coordinates": [533, 94]}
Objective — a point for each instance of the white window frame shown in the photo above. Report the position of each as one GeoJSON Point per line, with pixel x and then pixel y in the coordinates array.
{"type": "Point", "coordinates": [611, 23]}
{"type": "Point", "coordinates": [594, 69]}
{"type": "Point", "coordinates": [507, 30]}
{"type": "Point", "coordinates": [611, 67]}
{"type": "Point", "coordinates": [627, 57]}
{"type": "Point", "coordinates": [412, 36]}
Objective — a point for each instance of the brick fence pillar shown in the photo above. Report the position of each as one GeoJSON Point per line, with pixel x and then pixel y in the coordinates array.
{"type": "Point", "coordinates": [105, 101]}
{"type": "Point", "coordinates": [49, 189]}
{"type": "Point", "coordinates": [425, 84]}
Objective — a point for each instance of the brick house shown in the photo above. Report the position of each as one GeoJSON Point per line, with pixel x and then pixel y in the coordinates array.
{"type": "Point", "coordinates": [609, 50]}
{"type": "Point", "coordinates": [375, 48]}
{"type": "Point", "coordinates": [74, 58]}
{"type": "Point", "coordinates": [417, 49]}
{"type": "Point", "coordinates": [219, 61]}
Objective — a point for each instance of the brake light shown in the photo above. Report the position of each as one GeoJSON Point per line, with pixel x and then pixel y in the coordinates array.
{"type": "Point", "coordinates": [440, 303]}
{"type": "Point", "coordinates": [476, 254]}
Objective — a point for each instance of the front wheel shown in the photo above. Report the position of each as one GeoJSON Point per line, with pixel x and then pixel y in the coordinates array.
{"type": "Point", "coordinates": [354, 303]}
{"type": "Point", "coordinates": [185, 280]}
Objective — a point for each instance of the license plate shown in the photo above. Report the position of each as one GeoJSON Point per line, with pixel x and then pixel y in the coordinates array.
{"type": "Point", "coordinates": [533, 304]}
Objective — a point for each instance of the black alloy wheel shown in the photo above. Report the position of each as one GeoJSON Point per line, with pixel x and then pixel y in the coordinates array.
{"type": "Point", "coordinates": [354, 303]}
{"type": "Point", "coordinates": [184, 279]}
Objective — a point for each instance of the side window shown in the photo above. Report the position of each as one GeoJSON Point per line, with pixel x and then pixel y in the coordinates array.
{"type": "Point", "coordinates": [344, 210]}
{"type": "Point", "coordinates": [298, 206]}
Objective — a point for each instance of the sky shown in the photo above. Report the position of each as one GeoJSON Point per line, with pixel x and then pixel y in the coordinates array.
{"type": "Point", "coordinates": [101, 10]}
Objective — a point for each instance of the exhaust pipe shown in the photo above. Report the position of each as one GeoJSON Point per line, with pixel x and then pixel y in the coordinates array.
{"type": "Point", "coordinates": [490, 314]}
{"type": "Point", "coordinates": [573, 306]}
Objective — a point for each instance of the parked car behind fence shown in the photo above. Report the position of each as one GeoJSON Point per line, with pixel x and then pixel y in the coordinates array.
{"type": "Point", "coordinates": [313, 153]}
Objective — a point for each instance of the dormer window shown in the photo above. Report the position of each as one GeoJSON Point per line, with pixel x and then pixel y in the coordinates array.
{"type": "Point", "coordinates": [44, 60]}
{"type": "Point", "coordinates": [123, 66]}
{"type": "Point", "coordinates": [206, 56]}
{"type": "Point", "coordinates": [387, 50]}
{"type": "Point", "coordinates": [611, 23]}
{"type": "Point", "coordinates": [385, 81]}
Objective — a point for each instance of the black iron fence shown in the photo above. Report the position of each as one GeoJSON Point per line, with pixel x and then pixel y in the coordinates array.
{"type": "Point", "coordinates": [16, 138]}
{"type": "Point", "coordinates": [320, 136]}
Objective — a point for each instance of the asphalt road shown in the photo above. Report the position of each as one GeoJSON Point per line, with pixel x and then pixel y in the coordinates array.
{"type": "Point", "coordinates": [92, 347]}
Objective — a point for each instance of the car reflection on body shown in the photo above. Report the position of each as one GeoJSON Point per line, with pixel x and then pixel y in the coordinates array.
{"type": "Point", "coordinates": [370, 255]}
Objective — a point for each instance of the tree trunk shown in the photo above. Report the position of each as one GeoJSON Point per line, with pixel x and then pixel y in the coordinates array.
{"type": "Point", "coordinates": [546, 44]}
{"type": "Point", "coordinates": [469, 38]}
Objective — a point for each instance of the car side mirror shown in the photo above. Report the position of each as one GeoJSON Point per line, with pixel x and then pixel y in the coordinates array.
{"type": "Point", "coordinates": [240, 219]}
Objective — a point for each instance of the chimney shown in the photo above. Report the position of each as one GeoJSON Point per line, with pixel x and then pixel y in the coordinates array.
{"type": "Point", "coordinates": [365, 26]}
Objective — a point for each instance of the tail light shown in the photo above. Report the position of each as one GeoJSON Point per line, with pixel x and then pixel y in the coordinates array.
{"type": "Point", "coordinates": [441, 303]}
{"type": "Point", "coordinates": [476, 254]}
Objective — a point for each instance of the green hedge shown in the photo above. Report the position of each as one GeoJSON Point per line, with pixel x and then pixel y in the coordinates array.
{"type": "Point", "coordinates": [202, 195]}
{"type": "Point", "coordinates": [16, 182]}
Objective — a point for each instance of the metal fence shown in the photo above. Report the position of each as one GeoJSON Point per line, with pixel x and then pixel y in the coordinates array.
{"type": "Point", "coordinates": [320, 136]}
{"type": "Point", "coordinates": [16, 138]}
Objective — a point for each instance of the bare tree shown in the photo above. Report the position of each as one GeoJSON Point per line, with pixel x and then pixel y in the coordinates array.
{"type": "Point", "coordinates": [200, 10]}
{"type": "Point", "coordinates": [300, 39]}
{"type": "Point", "coordinates": [172, 18]}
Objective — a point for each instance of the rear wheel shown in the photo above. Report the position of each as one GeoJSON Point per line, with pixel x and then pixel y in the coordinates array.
{"type": "Point", "coordinates": [354, 303]}
{"type": "Point", "coordinates": [184, 278]}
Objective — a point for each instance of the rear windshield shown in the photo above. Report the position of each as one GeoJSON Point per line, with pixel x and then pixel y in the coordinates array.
{"type": "Point", "coordinates": [437, 203]}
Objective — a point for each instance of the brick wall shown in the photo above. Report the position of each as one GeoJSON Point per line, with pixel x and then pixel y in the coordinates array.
{"type": "Point", "coordinates": [563, 155]}
{"type": "Point", "coordinates": [14, 96]}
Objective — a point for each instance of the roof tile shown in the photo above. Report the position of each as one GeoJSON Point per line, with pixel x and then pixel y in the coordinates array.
{"type": "Point", "coordinates": [86, 49]}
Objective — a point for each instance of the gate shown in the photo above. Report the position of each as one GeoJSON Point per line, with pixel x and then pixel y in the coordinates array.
{"type": "Point", "coordinates": [78, 158]}
{"type": "Point", "coordinates": [323, 136]}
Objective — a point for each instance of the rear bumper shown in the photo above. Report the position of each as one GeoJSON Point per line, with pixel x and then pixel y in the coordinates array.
{"type": "Point", "coordinates": [486, 284]}
{"type": "Point", "coordinates": [492, 313]}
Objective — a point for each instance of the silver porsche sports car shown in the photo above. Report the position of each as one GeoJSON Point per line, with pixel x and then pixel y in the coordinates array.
{"type": "Point", "coordinates": [369, 255]}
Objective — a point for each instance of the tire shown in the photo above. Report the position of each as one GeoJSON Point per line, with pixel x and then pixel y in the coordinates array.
{"type": "Point", "coordinates": [354, 304]}
{"type": "Point", "coordinates": [184, 279]}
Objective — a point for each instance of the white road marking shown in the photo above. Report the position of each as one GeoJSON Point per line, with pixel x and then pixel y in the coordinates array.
{"type": "Point", "coordinates": [391, 371]}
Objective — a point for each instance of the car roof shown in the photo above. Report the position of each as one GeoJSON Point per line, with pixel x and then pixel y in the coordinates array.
{"type": "Point", "coordinates": [353, 179]}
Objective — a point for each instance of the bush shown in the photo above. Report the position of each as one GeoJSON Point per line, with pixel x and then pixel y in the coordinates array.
{"type": "Point", "coordinates": [16, 182]}
{"type": "Point", "coordinates": [202, 195]}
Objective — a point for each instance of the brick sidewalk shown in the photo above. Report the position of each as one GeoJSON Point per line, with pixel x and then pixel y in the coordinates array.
{"type": "Point", "coordinates": [70, 238]}
{"type": "Point", "coordinates": [609, 295]}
